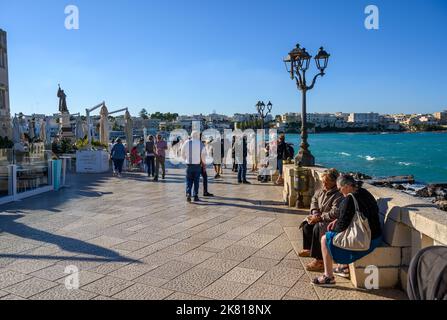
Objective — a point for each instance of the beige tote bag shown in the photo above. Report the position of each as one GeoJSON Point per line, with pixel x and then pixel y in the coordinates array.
{"type": "Point", "coordinates": [358, 235]}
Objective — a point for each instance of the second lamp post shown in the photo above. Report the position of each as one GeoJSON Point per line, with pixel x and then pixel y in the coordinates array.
{"type": "Point", "coordinates": [264, 111]}
{"type": "Point", "coordinates": [297, 63]}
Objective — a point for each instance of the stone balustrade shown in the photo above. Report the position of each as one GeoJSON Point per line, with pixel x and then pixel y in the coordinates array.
{"type": "Point", "coordinates": [409, 225]}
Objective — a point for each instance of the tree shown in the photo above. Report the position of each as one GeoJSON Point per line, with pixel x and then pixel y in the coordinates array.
{"type": "Point", "coordinates": [144, 114]}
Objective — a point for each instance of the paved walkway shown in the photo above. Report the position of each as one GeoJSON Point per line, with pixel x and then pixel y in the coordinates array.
{"type": "Point", "coordinates": [135, 239]}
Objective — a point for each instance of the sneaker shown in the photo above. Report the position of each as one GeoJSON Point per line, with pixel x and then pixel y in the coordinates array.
{"type": "Point", "coordinates": [217, 176]}
{"type": "Point", "coordinates": [207, 194]}
{"type": "Point", "coordinates": [246, 182]}
{"type": "Point", "coordinates": [155, 179]}
{"type": "Point", "coordinates": [188, 198]}
{"type": "Point", "coordinates": [196, 199]}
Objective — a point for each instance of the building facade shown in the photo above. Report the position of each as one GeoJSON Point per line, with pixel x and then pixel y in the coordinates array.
{"type": "Point", "coordinates": [441, 117]}
{"type": "Point", "coordinates": [364, 118]}
{"type": "Point", "coordinates": [5, 113]}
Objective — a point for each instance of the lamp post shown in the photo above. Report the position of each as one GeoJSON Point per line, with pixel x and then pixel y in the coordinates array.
{"type": "Point", "coordinates": [297, 63]}
{"type": "Point", "coordinates": [264, 111]}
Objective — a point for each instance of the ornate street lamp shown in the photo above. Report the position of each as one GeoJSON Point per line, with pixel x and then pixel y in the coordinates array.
{"type": "Point", "coordinates": [297, 63]}
{"type": "Point", "coordinates": [264, 111]}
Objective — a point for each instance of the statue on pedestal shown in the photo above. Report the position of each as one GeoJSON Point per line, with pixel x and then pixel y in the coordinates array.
{"type": "Point", "coordinates": [62, 100]}
{"type": "Point", "coordinates": [66, 130]}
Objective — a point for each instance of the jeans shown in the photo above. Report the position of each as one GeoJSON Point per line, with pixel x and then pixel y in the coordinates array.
{"type": "Point", "coordinates": [160, 161]}
{"type": "Point", "coordinates": [150, 162]}
{"type": "Point", "coordinates": [118, 164]}
{"type": "Point", "coordinates": [193, 173]}
{"type": "Point", "coordinates": [242, 171]}
{"type": "Point", "coordinates": [312, 240]}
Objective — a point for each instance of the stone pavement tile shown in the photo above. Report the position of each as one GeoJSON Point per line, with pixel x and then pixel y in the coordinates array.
{"type": "Point", "coordinates": [108, 267]}
{"type": "Point", "coordinates": [243, 275]}
{"type": "Point", "coordinates": [159, 258]}
{"type": "Point", "coordinates": [103, 298]}
{"type": "Point", "coordinates": [12, 297]}
{"type": "Point", "coordinates": [236, 252]}
{"type": "Point", "coordinates": [223, 290]}
{"type": "Point", "coordinates": [107, 286]}
{"type": "Point", "coordinates": [220, 265]}
{"type": "Point", "coordinates": [151, 281]}
{"type": "Point", "coordinates": [271, 254]}
{"type": "Point", "coordinates": [9, 278]}
{"type": "Point", "coordinates": [62, 293]}
{"type": "Point", "coordinates": [262, 264]}
{"type": "Point", "coordinates": [3, 294]}
{"type": "Point", "coordinates": [256, 240]}
{"type": "Point", "coordinates": [157, 246]}
{"type": "Point", "coordinates": [193, 281]}
{"type": "Point", "coordinates": [51, 273]}
{"type": "Point", "coordinates": [29, 266]}
{"type": "Point", "coordinates": [345, 291]}
{"type": "Point", "coordinates": [106, 241]}
{"type": "Point", "coordinates": [293, 233]}
{"type": "Point", "coordinates": [142, 292]}
{"type": "Point", "coordinates": [131, 245]}
{"type": "Point", "coordinates": [294, 264]}
{"type": "Point", "coordinates": [185, 297]}
{"type": "Point", "coordinates": [30, 287]}
{"type": "Point", "coordinates": [171, 270]}
{"type": "Point", "coordinates": [132, 271]}
{"type": "Point", "coordinates": [292, 256]}
{"type": "Point", "coordinates": [218, 243]}
{"type": "Point", "coordinates": [195, 256]}
{"type": "Point", "coordinates": [181, 248]}
{"type": "Point", "coordinates": [303, 290]}
{"type": "Point", "coordinates": [273, 228]}
{"type": "Point", "coordinates": [85, 277]}
{"type": "Point", "coordinates": [263, 291]}
{"type": "Point", "coordinates": [282, 276]}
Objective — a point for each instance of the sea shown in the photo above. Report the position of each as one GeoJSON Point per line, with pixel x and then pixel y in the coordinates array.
{"type": "Point", "coordinates": [423, 155]}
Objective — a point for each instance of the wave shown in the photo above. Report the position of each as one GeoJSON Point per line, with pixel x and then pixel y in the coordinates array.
{"type": "Point", "coordinates": [345, 154]}
{"type": "Point", "coordinates": [407, 164]}
{"type": "Point", "coordinates": [370, 158]}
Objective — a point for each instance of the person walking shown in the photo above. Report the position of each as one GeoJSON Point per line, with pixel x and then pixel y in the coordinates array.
{"type": "Point", "coordinates": [204, 172]}
{"type": "Point", "coordinates": [282, 155]}
{"type": "Point", "coordinates": [118, 154]}
{"type": "Point", "coordinates": [193, 154]}
{"type": "Point", "coordinates": [160, 157]}
{"type": "Point", "coordinates": [241, 153]}
{"type": "Point", "coordinates": [150, 157]}
{"type": "Point", "coordinates": [141, 153]}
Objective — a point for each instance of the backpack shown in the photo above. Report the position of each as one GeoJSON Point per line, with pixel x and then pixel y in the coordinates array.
{"type": "Point", "coordinates": [289, 152]}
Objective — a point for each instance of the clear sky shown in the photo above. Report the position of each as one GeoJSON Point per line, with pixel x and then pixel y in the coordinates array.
{"type": "Point", "coordinates": [196, 56]}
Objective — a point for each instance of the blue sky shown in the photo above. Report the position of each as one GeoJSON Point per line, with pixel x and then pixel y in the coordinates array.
{"type": "Point", "coordinates": [196, 56]}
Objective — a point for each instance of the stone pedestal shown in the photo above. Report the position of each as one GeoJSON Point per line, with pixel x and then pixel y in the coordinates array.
{"type": "Point", "coordinates": [66, 131]}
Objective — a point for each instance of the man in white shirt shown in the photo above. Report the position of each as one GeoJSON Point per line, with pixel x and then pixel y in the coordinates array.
{"type": "Point", "coordinates": [194, 154]}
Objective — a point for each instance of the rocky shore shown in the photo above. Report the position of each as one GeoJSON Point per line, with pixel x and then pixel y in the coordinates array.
{"type": "Point", "coordinates": [437, 193]}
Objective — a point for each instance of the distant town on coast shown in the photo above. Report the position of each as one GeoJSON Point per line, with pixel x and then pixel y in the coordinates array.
{"type": "Point", "coordinates": [287, 123]}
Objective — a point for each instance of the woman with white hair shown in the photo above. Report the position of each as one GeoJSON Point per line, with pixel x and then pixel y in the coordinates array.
{"type": "Point", "coordinates": [359, 212]}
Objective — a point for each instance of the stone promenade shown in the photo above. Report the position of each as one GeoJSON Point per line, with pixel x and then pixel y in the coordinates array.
{"type": "Point", "coordinates": [135, 239]}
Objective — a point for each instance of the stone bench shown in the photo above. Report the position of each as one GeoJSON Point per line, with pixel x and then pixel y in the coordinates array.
{"type": "Point", "coordinates": [388, 261]}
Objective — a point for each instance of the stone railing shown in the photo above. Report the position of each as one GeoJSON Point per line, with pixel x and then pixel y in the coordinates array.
{"type": "Point", "coordinates": [409, 225]}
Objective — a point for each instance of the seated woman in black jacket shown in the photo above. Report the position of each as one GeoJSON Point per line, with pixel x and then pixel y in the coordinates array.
{"type": "Point", "coordinates": [368, 207]}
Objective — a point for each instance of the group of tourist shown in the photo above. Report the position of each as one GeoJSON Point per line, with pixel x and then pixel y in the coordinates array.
{"type": "Point", "coordinates": [152, 153]}
{"type": "Point", "coordinates": [332, 215]}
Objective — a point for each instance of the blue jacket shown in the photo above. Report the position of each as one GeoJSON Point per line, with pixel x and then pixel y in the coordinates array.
{"type": "Point", "coordinates": [118, 151]}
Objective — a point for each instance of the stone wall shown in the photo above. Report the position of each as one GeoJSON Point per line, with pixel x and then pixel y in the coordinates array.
{"type": "Point", "coordinates": [409, 225]}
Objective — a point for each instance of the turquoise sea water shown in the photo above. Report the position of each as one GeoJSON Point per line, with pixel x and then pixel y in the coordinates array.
{"type": "Point", "coordinates": [423, 155]}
